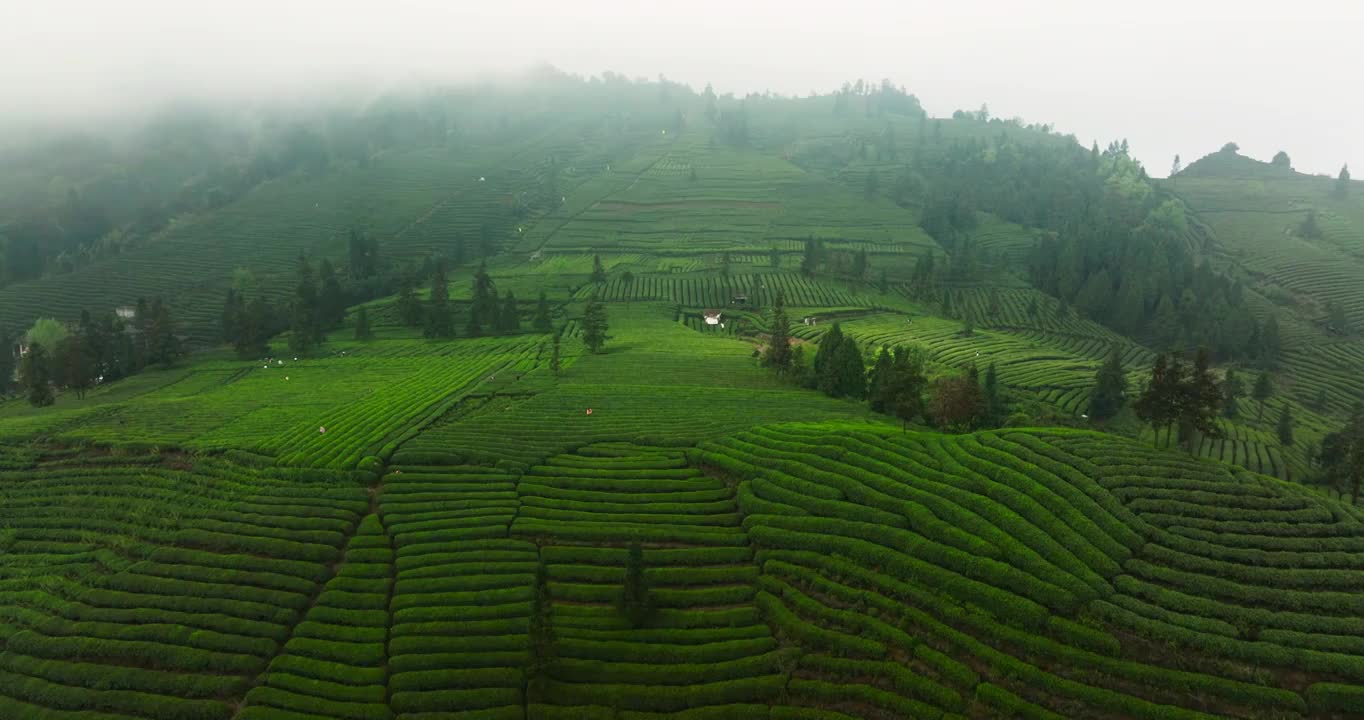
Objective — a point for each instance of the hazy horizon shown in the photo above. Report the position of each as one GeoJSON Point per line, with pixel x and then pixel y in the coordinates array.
{"type": "Point", "coordinates": [1169, 77]}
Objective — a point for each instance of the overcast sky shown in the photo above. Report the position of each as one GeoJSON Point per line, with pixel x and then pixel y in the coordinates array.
{"type": "Point", "coordinates": [1171, 76]}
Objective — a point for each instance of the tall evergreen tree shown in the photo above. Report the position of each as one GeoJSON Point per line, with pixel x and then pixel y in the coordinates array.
{"type": "Point", "coordinates": [409, 306]}
{"type": "Point", "coordinates": [304, 328]}
{"type": "Point", "coordinates": [483, 309]}
{"type": "Point", "coordinates": [542, 322]}
{"type": "Point", "coordinates": [627, 281]}
{"type": "Point", "coordinates": [1158, 404]}
{"type": "Point", "coordinates": [635, 601]}
{"type": "Point", "coordinates": [1263, 390]}
{"type": "Point", "coordinates": [1200, 400]}
{"type": "Point", "coordinates": [826, 361]}
{"type": "Point", "coordinates": [162, 341]}
{"type": "Point", "coordinates": [555, 362]}
{"type": "Point", "coordinates": [859, 269]}
{"type": "Point", "coordinates": [543, 643]}
{"type": "Point", "coordinates": [1284, 427]}
{"type": "Point", "coordinates": [1110, 387]}
{"type": "Point", "coordinates": [879, 380]}
{"type": "Point", "coordinates": [957, 402]}
{"type": "Point", "coordinates": [598, 272]}
{"type": "Point", "coordinates": [994, 402]}
{"type": "Point", "coordinates": [510, 317]}
{"type": "Point", "coordinates": [852, 371]}
{"type": "Point", "coordinates": [1232, 390]}
{"type": "Point", "coordinates": [35, 376]}
{"type": "Point", "coordinates": [331, 300]}
{"type": "Point", "coordinates": [724, 264]}
{"type": "Point", "coordinates": [74, 365]}
{"type": "Point", "coordinates": [362, 329]}
{"type": "Point", "coordinates": [1342, 189]}
{"type": "Point", "coordinates": [440, 322]}
{"type": "Point", "coordinates": [594, 325]}
{"type": "Point", "coordinates": [253, 341]}
{"type": "Point", "coordinates": [778, 355]}
{"type": "Point", "coordinates": [230, 321]}
{"type": "Point", "coordinates": [7, 363]}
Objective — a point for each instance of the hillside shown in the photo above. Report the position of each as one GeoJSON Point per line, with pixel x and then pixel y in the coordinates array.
{"type": "Point", "coordinates": [373, 455]}
{"type": "Point", "coordinates": [829, 569]}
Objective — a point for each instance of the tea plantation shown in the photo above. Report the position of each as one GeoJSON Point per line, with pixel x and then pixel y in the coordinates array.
{"type": "Point", "coordinates": [469, 501]}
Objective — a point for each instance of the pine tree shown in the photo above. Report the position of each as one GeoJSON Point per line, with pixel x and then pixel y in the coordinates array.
{"type": "Point", "coordinates": [35, 376]}
{"type": "Point", "coordinates": [859, 270]}
{"type": "Point", "coordinates": [852, 371]}
{"type": "Point", "coordinates": [1157, 403]}
{"type": "Point", "coordinates": [879, 380]}
{"type": "Point", "coordinates": [543, 643]}
{"type": "Point", "coordinates": [440, 322]}
{"type": "Point", "coordinates": [331, 300]}
{"type": "Point", "coordinates": [7, 363]}
{"type": "Point", "coordinates": [809, 261]}
{"type": "Point", "coordinates": [634, 601]}
{"type": "Point", "coordinates": [778, 355]}
{"type": "Point", "coordinates": [1232, 390]}
{"type": "Point", "coordinates": [253, 340]}
{"type": "Point", "coordinates": [229, 322]}
{"type": "Point", "coordinates": [1110, 387]}
{"type": "Point", "coordinates": [594, 325]}
{"type": "Point", "coordinates": [1200, 400]}
{"type": "Point", "coordinates": [598, 272]}
{"type": "Point", "coordinates": [994, 403]}
{"type": "Point", "coordinates": [957, 403]}
{"type": "Point", "coordinates": [304, 328]}
{"type": "Point", "coordinates": [1342, 188]}
{"type": "Point", "coordinates": [542, 322]}
{"type": "Point", "coordinates": [724, 264]}
{"type": "Point", "coordinates": [483, 309]}
{"type": "Point", "coordinates": [554, 359]}
{"type": "Point", "coordinates": [362, 329]}
{"type": "Point", "coordinates": [510, 317]}
{"type": "Point", "coordinates": [163, 344]}
{"type": "Point", "coordinates": [883, 285]}
{"type": "Point", "coordinates": [1284, 427]}
{"type": "Point", "coordinates": [627, 281]}
{"type": "Point", "coordinates": [74, 365]}
{"type": "Point", "coordinates": [1263, 390]}
{"type": "Point", "coordinates": [409, 307]}
{"type": "Point", "coordinates": [826, 361]}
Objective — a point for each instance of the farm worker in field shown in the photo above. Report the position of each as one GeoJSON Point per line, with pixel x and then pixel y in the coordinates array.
{"type": "Point", "coordinates": [589, 411]}
{"type": "Point", "coordinates": [322, 430]}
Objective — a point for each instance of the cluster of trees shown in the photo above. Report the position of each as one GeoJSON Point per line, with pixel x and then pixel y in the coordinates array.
{"type": "Point", "coordinates": [97, 350]}
{"type": "Point", "coordinates": [895, 384]}
{"type": "Point", "coordinates": [489, 312]}
{"type": "Point", "coordinates": [875, 100]}
{"type": "Point", "coordinates": [1182, 395]}
{"type": "Point", "coordinates": [817, 258]}
{"type": "Point", "coordinates": [1341, 458]}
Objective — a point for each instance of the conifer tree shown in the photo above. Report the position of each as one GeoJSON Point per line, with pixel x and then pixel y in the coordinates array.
{"type": "Point", "coordinates": [542, 322]}
{"type": "Point", "coordinates": [362, 329]}
{"type": "Point", "coordinates": [994, 403]}
{"type": "Point", "coordinates": [594, 325]}
{"type": "Point", "coordinates": [510, 316]}
{"type": "Point", "coordinates": [331, 300]}
{"type": "Point", "coordinates": [852, 371]}
{"type": "Point", "coordinates": [778, 355]}
{"type": "Point", "coordinates": [163, 344]}
{"type": "Point", "coordinates": [724, 264]}
{"type": "Point", "coordinates": [1232, 390]}
{"type": "Point", "coordinates": [439, 318]}
{"type": "Point", "coordinates": [409, 307]}
{"type": "Point", "coordinates": [1284, 427]}
{"type": "Point", "coordinates": [879, 381]}
{"type": "Point", "coordinates": [554, 359]}
{"type": "Point", "coordinates": [35, 376]}
{"type": "Point", "coordinates": [627, 281]}
{"type": "Point", "coordinates": [1200, 400]}
{"type": "Point", "coordinates": [304, 329]}
{"type": "Point", "coordinates": [229, 322]}
{"type": "Point", "coordinates": [826, 361]}
{"type": "Point", "coordinates": [483, 309]}
{"type": "Point", "coordinates": [1110, 387]}
{"type": "Point", "coordinates": [634, 601]}
{"type": "Point", "coordinates": [7, 363]}
{"type": "Point", "coordinates": [253, 339]}
{"type": "Point", "coordinates": [1157, 405]}
{"type": "Point", "coordinates": [598, 272]}
{"type": "Point", "coordinates": [543, 643]}
{"type": "Point", "coordinates": [74, 365]}
{"type": "Point", "coordinates": [1263, 390]}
